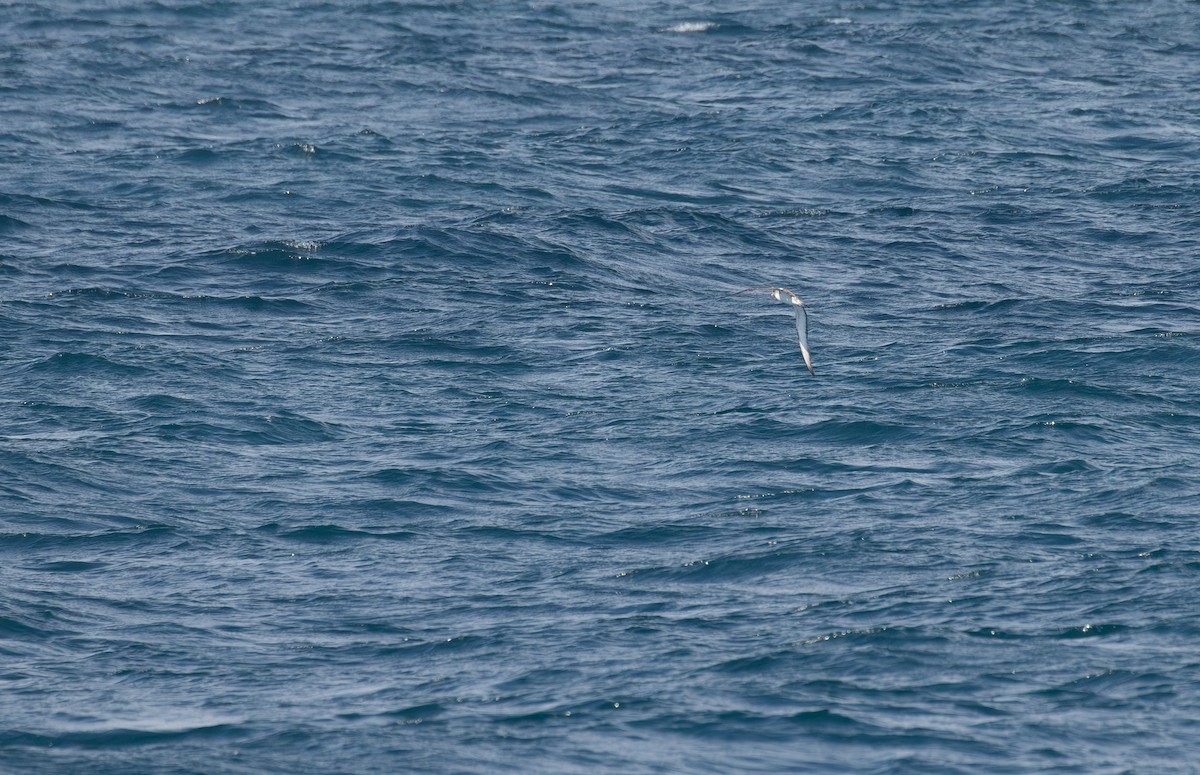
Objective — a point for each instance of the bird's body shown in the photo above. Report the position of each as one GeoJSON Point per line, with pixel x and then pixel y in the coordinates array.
{"type": "Point", "coordinates": [786, 296]}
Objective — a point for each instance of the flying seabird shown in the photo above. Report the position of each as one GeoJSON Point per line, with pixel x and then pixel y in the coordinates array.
{"type": "Point", "coordinates": [786, 296]}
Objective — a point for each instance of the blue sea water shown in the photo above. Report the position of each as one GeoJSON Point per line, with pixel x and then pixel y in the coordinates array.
{"type": "Point", "coordinates": [374, 399]}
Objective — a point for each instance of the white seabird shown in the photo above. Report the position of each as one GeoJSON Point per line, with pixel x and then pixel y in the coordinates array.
{"type": "Point", "coordinates": [786, 296]}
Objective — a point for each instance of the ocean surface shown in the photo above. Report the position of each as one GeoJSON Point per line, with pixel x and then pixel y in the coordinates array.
{"type": "Point", "coordinates": [374, 397]}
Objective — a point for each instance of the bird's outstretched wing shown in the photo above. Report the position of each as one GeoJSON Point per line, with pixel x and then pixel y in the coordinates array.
{"type": "Point", "coordinates": [771, 288]}
{"type": "Point", "coordinates": [802, 333]}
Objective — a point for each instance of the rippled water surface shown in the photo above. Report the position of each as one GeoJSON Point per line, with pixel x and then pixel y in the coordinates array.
{"type": "Point", "coordinates": [374, 398]}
